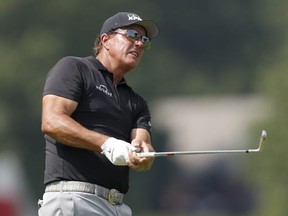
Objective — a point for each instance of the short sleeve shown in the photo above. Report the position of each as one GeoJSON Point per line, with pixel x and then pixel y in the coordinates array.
{"type": "Point", "coordinates": [143, 118]}
{"type": "Point", "coordinates": [65, 79]}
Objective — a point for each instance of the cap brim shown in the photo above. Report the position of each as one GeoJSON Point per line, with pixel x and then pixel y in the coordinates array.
{"type": "Point", "coordinates": [150, 27]}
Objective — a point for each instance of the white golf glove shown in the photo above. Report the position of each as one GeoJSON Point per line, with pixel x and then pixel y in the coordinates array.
{"type": "Point", "coordinates": [117, 151]}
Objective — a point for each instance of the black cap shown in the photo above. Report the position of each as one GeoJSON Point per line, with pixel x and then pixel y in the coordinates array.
{"type": "Point", "coordinates": [123, 19]}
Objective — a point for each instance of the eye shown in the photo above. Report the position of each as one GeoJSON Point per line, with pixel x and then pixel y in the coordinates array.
{"type": "Point", "coordinates": [135, 35]}
{"type": "Point", "coordinates": [145, 39]}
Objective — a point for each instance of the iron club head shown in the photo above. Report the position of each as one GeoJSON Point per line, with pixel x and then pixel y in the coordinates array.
{"type": "Point", "coordinates": [262, 139]}
{"type": "Point", "coordinates": [264, 134]}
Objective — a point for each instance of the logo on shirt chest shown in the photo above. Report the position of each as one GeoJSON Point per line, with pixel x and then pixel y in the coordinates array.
{"type": "Point", "coordinates": [104, 89]}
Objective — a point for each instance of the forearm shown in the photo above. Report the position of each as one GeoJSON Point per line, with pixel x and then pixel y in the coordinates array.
{"type": "Point", "coordinates": [65, 130]}
{"type": "Point", "coordinates": [57, 123]}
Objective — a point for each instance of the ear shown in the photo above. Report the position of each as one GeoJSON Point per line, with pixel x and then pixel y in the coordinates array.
{"type": "Point", "coordinates": [105, 41]}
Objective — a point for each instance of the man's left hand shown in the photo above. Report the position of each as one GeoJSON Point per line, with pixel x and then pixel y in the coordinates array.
{"type": "Point", "coordinates": [137, 163]}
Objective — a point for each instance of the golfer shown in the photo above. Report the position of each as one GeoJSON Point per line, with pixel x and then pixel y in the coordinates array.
{"type": "Point", "coordinates": [94, 123]}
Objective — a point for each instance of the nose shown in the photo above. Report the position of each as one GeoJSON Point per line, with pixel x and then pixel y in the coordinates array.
{"type": "Point", "coordinates": [139, 43]}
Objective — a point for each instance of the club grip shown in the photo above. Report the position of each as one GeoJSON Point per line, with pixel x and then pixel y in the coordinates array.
{"type": "Point", "coordinates": [146, 154]}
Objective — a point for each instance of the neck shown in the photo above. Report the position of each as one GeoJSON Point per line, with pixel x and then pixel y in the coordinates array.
{"type": "Point", "coordinates": [113, 67]}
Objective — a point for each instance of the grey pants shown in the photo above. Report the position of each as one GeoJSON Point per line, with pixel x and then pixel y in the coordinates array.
{"type": "Point", "coordinates": [78, 203]}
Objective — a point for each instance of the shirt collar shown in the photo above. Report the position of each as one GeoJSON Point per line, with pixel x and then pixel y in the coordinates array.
{"type": "Point", "coordinates": [103, 69]}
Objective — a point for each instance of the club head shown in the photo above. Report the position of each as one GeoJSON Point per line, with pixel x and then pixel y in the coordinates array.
{"type": "Point", "coordinates": [262, 139]}
{"type": "Point", "coordinates": [264, 134]}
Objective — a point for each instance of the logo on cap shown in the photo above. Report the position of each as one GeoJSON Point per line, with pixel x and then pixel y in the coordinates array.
{"type": "Point", "coordinates": [133, 17]}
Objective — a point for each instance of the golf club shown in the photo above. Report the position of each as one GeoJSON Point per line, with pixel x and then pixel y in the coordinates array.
{"type": "Point", "coordinates": [173, 153]}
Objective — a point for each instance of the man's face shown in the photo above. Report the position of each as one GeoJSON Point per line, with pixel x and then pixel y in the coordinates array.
{"type": "Point", "coordinates": [124, 51]}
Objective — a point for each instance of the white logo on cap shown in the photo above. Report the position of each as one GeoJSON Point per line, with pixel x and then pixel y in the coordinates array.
{"type": "Point", "coordinates": [134, 17]}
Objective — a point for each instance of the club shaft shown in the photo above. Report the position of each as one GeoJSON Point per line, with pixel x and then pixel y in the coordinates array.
{"type": "Point", "coordinates": [175, 153]}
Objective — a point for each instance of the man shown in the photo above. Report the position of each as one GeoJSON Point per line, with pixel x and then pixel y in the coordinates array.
{"type": "Point", "coordinates": [94, 123]}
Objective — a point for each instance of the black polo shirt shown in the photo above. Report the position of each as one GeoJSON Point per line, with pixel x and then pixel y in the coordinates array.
{"type": "Point", "coordinates": [102, 107]}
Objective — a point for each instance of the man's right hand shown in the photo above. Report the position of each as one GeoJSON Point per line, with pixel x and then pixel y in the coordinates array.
{"type": "Point", "coordinates": [117, 151]}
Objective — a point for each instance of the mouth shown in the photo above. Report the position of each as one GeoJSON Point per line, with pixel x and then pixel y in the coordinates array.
{"type": "Point", "coordinates": [134, 53]}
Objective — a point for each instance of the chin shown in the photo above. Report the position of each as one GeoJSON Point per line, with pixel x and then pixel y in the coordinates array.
{"type": "Point", "coordinates": [132, 65]}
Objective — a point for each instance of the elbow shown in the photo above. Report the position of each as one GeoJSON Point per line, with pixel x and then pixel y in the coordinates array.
{"type": "Point", "coordinates": [47, 128]}
{"type": "Point", "coordinates": [44, 128]}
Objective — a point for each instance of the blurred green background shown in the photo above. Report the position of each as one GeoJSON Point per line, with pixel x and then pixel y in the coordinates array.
{"type": "Point", "coordinates": [205, 47]}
